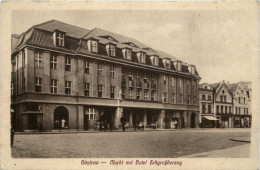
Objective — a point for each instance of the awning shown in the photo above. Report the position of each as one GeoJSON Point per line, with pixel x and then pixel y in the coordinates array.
{"type": "Point", "coordinates": [210, 117]}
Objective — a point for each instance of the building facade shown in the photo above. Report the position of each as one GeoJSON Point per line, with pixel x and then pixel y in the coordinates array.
{"type": "Point", "coordinates": [207, 114]}
{"type": "Point", "coordinates": [70, 77]}
{"type": "Point", "coordinates": [241, 103]}
{"type": "Point", "coordinates": [231, 104]}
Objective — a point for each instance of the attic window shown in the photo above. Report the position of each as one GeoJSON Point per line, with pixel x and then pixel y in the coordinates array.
{"type": "Point", "coordinates": [60, 39]}
{"type": "Point", "coordinates": [111, 50]}
{"type": "Point", "coordinates": [127, 54]}
{"type": "Point", "coordinates": [94, 46]}
{"type": "Point", "coordinates": [156, 61]}
{"type": "Point", "coordinates": [143, 59]}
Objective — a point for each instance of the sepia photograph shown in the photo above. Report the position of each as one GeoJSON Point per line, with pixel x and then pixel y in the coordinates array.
{"type": "Point", "coordinates": [107, 86]}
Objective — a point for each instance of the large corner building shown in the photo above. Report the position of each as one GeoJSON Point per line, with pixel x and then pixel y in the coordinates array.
{"type": "Point", "coordinates": [60, 71]}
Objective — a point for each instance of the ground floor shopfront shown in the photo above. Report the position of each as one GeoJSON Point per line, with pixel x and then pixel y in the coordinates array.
{"type": "Point", "coordinates": [48, 116]}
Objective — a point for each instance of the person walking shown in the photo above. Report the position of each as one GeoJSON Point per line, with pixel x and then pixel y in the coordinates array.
{"type": "Point", "coordinates": [123, 123]}
{"type": "Point", "coordinates": [63, 121]}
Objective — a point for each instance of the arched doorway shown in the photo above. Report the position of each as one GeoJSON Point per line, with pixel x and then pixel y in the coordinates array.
{"type": "Point", "coordinates": [193, 119]}
{"type": "Point", "coordinates": [61, 118]}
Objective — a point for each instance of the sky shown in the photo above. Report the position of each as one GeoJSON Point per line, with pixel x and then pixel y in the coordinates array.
{"type": "Point", "coordinates": [222, 44]}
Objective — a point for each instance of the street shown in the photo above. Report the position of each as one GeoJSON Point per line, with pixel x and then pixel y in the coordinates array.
{"type": "Point", "coordinates": [139, 144]}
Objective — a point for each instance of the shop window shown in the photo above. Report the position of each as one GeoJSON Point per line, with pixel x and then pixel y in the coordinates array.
{"type": "Point", "coordinates": [91, 113]}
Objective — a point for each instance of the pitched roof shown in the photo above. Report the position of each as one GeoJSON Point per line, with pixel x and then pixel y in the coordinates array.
{"type": "Point", "coordinates": [71, 30]}
{"type": "Point", "coordinates": [123, 41]}
{"type": "Point", "coordinates": [233, 87]}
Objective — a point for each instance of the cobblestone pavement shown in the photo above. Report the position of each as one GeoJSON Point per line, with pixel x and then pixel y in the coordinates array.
{"type": "Point", "coordinates": [149, 144]}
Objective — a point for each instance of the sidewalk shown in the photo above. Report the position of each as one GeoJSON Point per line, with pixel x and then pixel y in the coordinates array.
{"type": "Point", "coordinates": [241, 151]}
{"type": "Point", "coordinates": [65, 131]}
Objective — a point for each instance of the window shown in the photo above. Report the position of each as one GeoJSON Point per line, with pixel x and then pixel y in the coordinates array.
{"type": "Point", "coordinates": [138, 94]}
{"type": "Point", "coordinates": [112, 50]}
{"type": "Point", "coordinates": [131, 76]}
{"type": "Point", "coordinates": [54, 86]}
{"type": "Point", "coordinates": [100, 90]}
{"type": "Point", "coordinates": [188, 87]}
{"type": "Point", "coordinates": [100, 69]}
{"type": "Point", "coordinates": [128, 54]}
{"type": "Point", "coordinates": [143, 59]}
{"type": "Point", "coordinates": [38, 59]}
{"type": "Point", "coordinates": [209, 97]}
{"type": "Point", "coordinates": [131, 93]}
{"type": "Point", "coordinates": [156, 61]}
{"type": "Point", "coordinates": [194, 99]}
{"type": "Point", "coordinates": [145, 95]}
{"type": "Point", "coordinates": [236, 110]}
{"type": "Point", "coordinates": [223, 91]}
{"type": "Point", "coordinates": [94, 46]}
{"type": "Point", "coordinates": [164, 80]}
{"type": "Point", "coordinates": [145, 78]}
{"type": "Point", "coordinates": [181, 98]}
{"type": "Point", "coordinates": [91, 113]}
{"type": "Point", "coordinates": [112, 92]}
{"type": "Point", "coordinates": [173, 81]}
{"type": "Point", "coordinates": [230, 109]}
{"type": "Point", "coordinates": [60, 39]}
{"type": "Point", "coordinates": [67, 64]}
{"type": "Point", "coordinates": [189, 99]}
{"type": "Point", "coordinates": [209, 108]}
{"type": "Point", "coordinates": [87, 89]}
{"type": "Point", "coordinates": [137, 77]}
{"type": "Point", "coordinates": [217, 109]}
{"type": "Point", "coordinates": [38, 84]}
{"type": "Point", "coordinates": [112, 71]}
{"type": "Point", "coordinates": [123, 93]}
{"type": "Point", "coordinates": [168, 64]}
{"type": "Point", "coordinates": [12, 88]}
{"type": "Point", "coordinates": [152, 96]}
{"type": "Point", "coordinates": [68, 87]}
{"type": "Point", "coordinates": [173, 97]}
{"type": "Point", "coordinates": [222, 109]}
{"type": "Point", "coordinates": [165, 97]}
{"type": "Point", "coordinates": [239, 110]}
{"type": "Point", "coordinates": [203, 97]}
{"type": "Point", "coordinates": [226, 111]}
{"type": "Point", "coordinates": [244, 100]}
{"type": "Point", "coordinates": [54, 62]}
{"type": "Point", "coordinates": [86, 67]}
{"type": "Point", "coordinates": [203, 108]}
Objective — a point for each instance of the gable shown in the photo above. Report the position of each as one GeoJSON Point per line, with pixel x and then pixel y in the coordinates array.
{"type": "Point", "coordinates": [223, 91]}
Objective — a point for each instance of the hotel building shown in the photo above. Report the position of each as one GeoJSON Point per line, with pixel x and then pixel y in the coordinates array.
{"type": "Point", "coordinates": [64, 72]}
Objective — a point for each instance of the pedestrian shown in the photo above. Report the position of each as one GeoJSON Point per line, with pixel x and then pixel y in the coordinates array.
{"type": "Point", "coordinates": [141, 126]}
{"type": "Point", "coordinates": [111, 126]}
{"type": "Point", "coordinates": [12, 135]}
{"type": "Point", "coordinates": [57, 123]}
{"type": "Point", "coordinates": [123, 123]}
{"type": "Point", "coordinates": [134, 124]}
{"type": "Point", "coordinates": [63, 121]}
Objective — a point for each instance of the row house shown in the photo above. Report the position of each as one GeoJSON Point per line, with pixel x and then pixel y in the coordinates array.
{"type": "Point", "coordinates": [228, 107]}
{"type": "Point", "coordinates": [63, 73]}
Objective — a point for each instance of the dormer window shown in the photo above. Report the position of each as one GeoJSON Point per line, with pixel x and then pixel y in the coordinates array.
{"type": "Point", "coordinates": [167, 63]}
{"type": "Point", "coordinates": [143, 59]}
{"type": "Point", "coordinates": [178, 65]}
{"type": "Point", "coordinates": [192, 69]}
{"type": "Point", "coordinates": [94, 46]}
{"type": "Point", "coordinates": [111, 50]}
{"type": "Point", "coordinates": [127, 53]}
{"type": "Point", "coordinates": [59, 38]}
{"type": "Point", "coordinates": [155, 60]}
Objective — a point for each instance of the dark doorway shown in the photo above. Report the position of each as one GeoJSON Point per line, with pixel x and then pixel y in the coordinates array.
{"type": "Point", "coordinates": [193, 119]}
{"type": "Point", "coordinates": [61, 118]}
{"type": "Point", "coordinates": [32, 121]}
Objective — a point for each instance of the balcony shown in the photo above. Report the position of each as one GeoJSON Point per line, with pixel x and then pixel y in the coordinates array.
{"type": "Point", "coordinates": [153, 86]}
{"type": "Point", "coordinates": [138, 85]}
{"type": "Point", "coordinates": [123, 82]}
{"type": "Point", "coordinates": [131, 83]}
{"type": "Point", "coordinates": [146, 85]}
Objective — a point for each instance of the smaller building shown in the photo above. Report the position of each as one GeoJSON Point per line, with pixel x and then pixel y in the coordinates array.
{"type": "Point", "coordinates": [241, 103]}
{"type": "Point", "coordinates": [207, 116]}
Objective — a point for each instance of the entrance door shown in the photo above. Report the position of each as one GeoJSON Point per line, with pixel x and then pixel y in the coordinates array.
{"type": "Point", "coordinates": [61, 118]}
{"type": "Point", "coordinates": [193, 118]}
{"type": "Point", "coordinates": [32, 121]}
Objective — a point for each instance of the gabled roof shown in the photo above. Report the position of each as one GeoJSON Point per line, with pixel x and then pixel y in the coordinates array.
{"type": "Point", "coordinates": [70, 30]}
{"type": "Point", "coordinates": [233, 87]}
